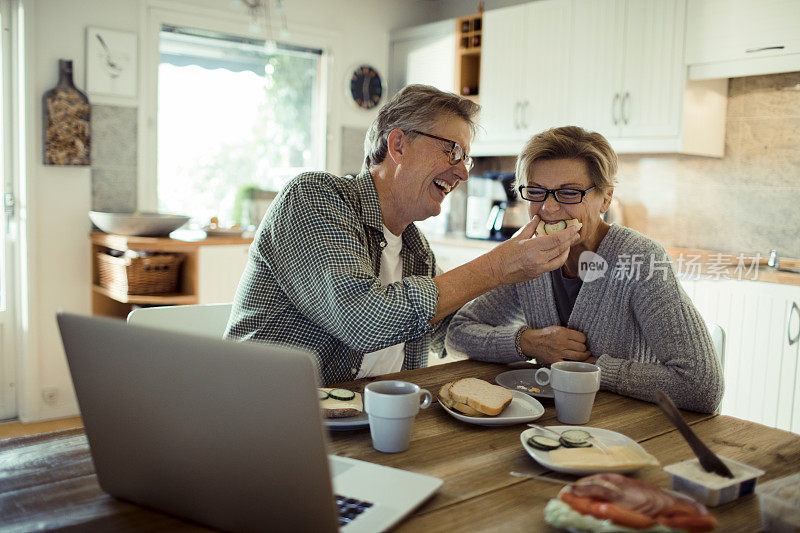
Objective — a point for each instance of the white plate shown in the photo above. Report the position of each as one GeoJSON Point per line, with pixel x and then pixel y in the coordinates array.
{"type": "Point", "coordinates": [605, 436]}
{"type": "Point", "coordinates": [223, 232]}
{"type": "Point", "coordinates": [359, 421]}
{"type": "Point", "coordinates": [522, 409]}
{"type": "Point", "coordinates": [522, 381]}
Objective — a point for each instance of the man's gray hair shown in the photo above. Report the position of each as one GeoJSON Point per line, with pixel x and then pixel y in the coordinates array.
{"type": "Point", "coordinates": [414, 107]}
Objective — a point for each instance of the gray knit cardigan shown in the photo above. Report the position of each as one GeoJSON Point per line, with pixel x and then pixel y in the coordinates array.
{"type": "Point", "coordinates": [647, 333]}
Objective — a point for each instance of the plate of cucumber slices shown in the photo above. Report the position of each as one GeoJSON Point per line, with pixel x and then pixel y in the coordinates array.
{"type": "Point", "coordinates": [628, 455]}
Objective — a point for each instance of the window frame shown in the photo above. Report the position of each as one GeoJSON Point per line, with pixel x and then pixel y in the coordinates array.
{"type": "Point", "coordinates": [158, 13]}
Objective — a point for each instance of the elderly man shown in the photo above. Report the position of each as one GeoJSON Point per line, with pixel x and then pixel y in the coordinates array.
{"type": "Point", "coordinates": [339, 268]}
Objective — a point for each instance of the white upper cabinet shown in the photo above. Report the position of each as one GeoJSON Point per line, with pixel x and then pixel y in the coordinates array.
{"type": "Point", "coordinates": [501, 76]}
{"type": "Point", "coordinates": [730, 38]}
{"type": "Point", "coordinates": [596, 64]}
{"type": "Point", "coordinates": [627, 78]}
{"type": "Point", "coordinates": [524, 79]}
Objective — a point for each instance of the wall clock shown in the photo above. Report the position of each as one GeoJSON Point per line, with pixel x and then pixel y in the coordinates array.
{"type": "Point", "coordinates": [365, 86]}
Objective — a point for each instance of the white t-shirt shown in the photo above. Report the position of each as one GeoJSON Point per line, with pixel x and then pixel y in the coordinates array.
{"type": "Point", "coordinates": [389, 359]}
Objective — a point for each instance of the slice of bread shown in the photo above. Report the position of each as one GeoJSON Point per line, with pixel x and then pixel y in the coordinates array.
{"type": "Point", "coordinates": [446, 399]}
{"type": "Point", "coordinates": [332, 408]}
{"type": "Point", "coordinates": [481, 395]}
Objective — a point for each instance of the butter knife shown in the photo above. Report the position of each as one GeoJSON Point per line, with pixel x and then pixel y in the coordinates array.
{"type": "Point", "coordinates": [708, 459]}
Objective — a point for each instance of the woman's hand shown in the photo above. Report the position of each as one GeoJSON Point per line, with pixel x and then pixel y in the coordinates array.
{"type": "Point", "coordinates": [524, 257]}
{"type": "Point", "coordinates": [555, 343]}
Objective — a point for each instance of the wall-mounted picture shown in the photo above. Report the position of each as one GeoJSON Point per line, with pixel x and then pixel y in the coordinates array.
{"type": "Point", "coordinates": [111, 62]}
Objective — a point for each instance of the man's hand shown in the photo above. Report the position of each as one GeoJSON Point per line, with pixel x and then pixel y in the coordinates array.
{"type": "Point", "coordinates": [555, 343]}
{"type": "Point", "coordinates": [524, 257]}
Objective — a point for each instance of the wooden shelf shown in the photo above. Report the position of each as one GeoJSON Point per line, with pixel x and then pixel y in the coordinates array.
{"type": "Point", "coordinates": [147, 299]}
{"type": "Point", "coordinates": [470, 51]}
{"type": "Point", "coordinates": [468, 55]}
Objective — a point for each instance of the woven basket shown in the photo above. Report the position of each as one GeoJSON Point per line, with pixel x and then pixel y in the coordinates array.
{"type": "Point", "coordinates": [155, 274]}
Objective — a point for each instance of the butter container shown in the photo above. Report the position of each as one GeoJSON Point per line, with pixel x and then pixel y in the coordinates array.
{"type": "Point", "coordinates": [779, 500]}
{"type": "Point", "coordinates": [712, 489]}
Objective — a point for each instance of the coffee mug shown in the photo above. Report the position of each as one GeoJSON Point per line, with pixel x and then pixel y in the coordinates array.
{"type": "Point", "coordinates": [574, 387]}
{"type": "Point", "coordinates": [391, 407]}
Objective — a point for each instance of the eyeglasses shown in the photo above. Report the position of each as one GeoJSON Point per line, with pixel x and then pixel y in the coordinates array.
{"type": "Point", "coordinates": [562, 196]}
{"type": "Point", "coordinates": [456, 151]}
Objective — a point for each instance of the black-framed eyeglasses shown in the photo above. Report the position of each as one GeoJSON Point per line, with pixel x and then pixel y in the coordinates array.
{"type": "Point", "coordinates": [455, 153]}
{"type": "Point", "coordinates": [562, 196]}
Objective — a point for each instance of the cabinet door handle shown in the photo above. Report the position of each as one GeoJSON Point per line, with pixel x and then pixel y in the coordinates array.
{"type": "Point", "coordinates": [792, 339]}
{"type": "Point", "coordinates": [517, 108]}
{"type": "Point", "coordinates": [614, 102]}
{"type": "Point", "coordinates": [764, 48]}
{"type": "Point", "coordinates": [625, 100]}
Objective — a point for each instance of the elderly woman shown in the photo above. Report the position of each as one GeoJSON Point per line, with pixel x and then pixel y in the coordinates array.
{"type": "Point", "coordinates": [614, 302]}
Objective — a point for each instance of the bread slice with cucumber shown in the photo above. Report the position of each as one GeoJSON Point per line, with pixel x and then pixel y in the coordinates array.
{"type": "Point", "coordinates": [549, 228]}
{"type": "Point", "coordinates": [340, 403]}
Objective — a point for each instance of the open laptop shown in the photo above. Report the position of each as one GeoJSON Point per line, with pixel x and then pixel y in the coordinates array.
{"type": "Point", "coordinates": [224, 433]}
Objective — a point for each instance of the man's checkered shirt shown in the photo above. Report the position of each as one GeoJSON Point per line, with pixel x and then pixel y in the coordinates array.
{"type": "Point", "coordinates": [312, 279]}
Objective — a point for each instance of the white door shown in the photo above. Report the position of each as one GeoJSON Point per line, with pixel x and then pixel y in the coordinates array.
{"type": "Point", "coordinates": [502, 67]}
{"type": "Point", "coordinates": [545, 80]}
{"type": "Point", "coordinates": [8, 328]}
{"type": "Point", "coordinates": [650, 99]}
{"type": "Point", "coordinates": [595, 83]}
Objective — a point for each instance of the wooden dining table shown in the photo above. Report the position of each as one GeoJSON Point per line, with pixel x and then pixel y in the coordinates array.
{"type": "Point", "coordinates": [47, 481]}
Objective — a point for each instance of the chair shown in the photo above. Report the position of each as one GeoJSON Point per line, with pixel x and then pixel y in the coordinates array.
{"type": "Point", "coordinates": [718, 340]}
{"type": "Point", "coordinates": [209, 320]}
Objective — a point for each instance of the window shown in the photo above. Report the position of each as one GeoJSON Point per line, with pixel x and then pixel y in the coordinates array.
{"type": "Point", "coordinates": [235, 116]}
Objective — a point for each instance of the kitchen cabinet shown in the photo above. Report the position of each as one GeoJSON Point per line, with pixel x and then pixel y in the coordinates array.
{"type": "Point", "coordinates": [209, 273]}
{"type": "Point", "coordinates": [762, 326]}
{"type": "Point", "coordinates": [730, 38]}
{"type": "Point", "coordinates": [423, 54]}
{"type": "Point", "coordinates": [628, 82]}
{"type": "Point", "coordinates": [523, 76]}
{"type": "Point", "coordinates": [627, 64]}
{"type": "Point", "coordinates": [612, 66]}
{"type": "Point", "coordinates": [469, 31]}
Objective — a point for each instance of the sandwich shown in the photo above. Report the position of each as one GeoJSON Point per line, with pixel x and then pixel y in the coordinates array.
{"type": "Point", "coordinates": [548, 228]}
{"type": "Point", "coordinates": [340, 403]}
{"type": "Point", "coordinates": [613, 502]}
{"type": "Point", "coordinates": [475, 397]}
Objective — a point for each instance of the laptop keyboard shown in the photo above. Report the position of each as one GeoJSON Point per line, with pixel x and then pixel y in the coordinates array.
{"type": "Point", "coordinates": [350, 508]}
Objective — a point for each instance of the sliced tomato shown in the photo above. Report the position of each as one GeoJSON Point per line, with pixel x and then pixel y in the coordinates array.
{"type": "Point", "coordinates": [579, 503]}
{"type": "Point", "coordinates": [620, 515]}
{"type": "Point", "coordinates": [695, 523]}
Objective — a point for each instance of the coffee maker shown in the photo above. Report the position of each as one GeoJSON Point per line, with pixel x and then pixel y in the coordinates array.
{"type": "Point", "coordinates": [493, 209]}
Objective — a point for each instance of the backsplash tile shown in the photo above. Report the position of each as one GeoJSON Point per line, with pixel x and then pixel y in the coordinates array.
{"type": "Point", "coordinates": [745, 202]}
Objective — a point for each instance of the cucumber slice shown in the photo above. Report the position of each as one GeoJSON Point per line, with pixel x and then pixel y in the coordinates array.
{"type": "Point", "coordinates": [342, 394]}
{"type": "Point", "coordinates": [571, 444]}
{"type": "Point", "coordinates": [323, 394]}
{"type": "Point", "coordinates": [543, 443]}
{"type": "Point", "coordinates": [555, 226]}
{"type": "Point", "coordinates": [576, 435]}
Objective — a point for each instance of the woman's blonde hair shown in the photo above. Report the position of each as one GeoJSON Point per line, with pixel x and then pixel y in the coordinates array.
{"type": "Point", "coordinates": [570, 142]}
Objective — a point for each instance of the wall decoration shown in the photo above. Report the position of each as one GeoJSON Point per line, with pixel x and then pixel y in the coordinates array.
{"type": "Point", "coordinates": [111, 62]}
{"type": "Point", "coordinates": [365, 87]}
{"type": "Point", "coordinates": [65, 112]}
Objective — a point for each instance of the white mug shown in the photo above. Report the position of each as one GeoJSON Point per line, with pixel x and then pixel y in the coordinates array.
{"type": "Point", "coordinates": [574, 387]}
{"type": "Point", "coordinates": [391, 407]}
